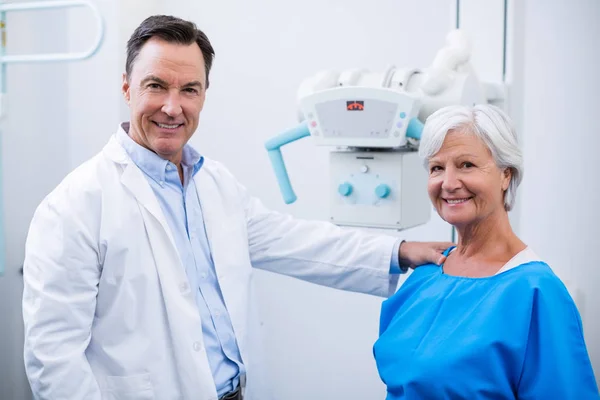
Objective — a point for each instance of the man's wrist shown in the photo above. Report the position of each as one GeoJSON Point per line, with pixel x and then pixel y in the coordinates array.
{"type": "Point", "coordinates": [403, 266]}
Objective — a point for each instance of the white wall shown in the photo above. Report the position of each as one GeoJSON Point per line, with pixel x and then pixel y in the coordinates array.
{"type": "Point", "coordinates": [319, 341]}
{"type": "Point", "coordinates": [93, 87]}
{"type": "Point", "coordinates": [560, 197]}
{"type": "Point", "coordinates": [33, 161]}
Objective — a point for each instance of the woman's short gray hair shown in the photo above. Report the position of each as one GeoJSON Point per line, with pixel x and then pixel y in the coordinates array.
{"type": "Point", "coordinates": [490, 124]}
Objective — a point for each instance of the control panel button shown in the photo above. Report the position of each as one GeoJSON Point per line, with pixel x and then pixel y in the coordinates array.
{"type": "Point", "coordinates": [364, 169]}
{"type": "Point", "coordinates": [382, 191]}
{"type": "Point", "coordinates": [345, 189]}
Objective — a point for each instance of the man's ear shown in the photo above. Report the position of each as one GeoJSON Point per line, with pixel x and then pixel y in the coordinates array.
{"type": "Point", "coordinates": [125, 88]}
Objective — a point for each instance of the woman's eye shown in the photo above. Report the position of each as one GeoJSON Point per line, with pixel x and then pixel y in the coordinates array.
{"type": "Point", "coordinates": [468, 165]}
{"type": "Point", "coordinates": [435, 168]}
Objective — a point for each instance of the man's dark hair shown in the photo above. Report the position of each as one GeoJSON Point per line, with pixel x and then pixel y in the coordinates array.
{"type": "Point", "coordinates": [172, 30]}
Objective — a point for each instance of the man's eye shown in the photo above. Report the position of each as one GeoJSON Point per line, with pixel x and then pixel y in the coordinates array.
{"type": "Point", "coordinates": [191, 90]}
{"type": "Point", "coordinates": [154, 86]}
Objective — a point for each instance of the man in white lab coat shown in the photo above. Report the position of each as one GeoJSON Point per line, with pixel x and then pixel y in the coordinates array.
{"type": "Point", "coordinates": [138, 265]}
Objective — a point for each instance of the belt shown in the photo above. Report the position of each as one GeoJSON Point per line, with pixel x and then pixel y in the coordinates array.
{"type": "Point", "coordinates": [235, 395]}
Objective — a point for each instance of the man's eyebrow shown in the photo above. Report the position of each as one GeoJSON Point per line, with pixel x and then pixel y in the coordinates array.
{"type": "Point", "coordinates": [193, 83]}
{"type": "Point", "coordinates": [155, 79]}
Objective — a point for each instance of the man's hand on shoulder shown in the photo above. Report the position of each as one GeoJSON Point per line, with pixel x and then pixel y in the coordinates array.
{"type": "Point", "coordinates": [413, 254]}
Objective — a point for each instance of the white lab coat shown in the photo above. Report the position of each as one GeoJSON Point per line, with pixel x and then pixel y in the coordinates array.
{"type": "Point", "coordinates": [107, 307]}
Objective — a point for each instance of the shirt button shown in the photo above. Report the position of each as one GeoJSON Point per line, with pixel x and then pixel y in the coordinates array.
{"type": "Point", "coordinates": [183, 287]}
{"type": "Point", "coordinates": [203, 275]}
{"type": "Point", "coordinates": [197, 346]}
{"type": "Point", "coordinates": [217, 313]}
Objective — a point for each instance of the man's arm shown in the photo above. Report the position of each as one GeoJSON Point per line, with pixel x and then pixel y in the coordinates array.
{"type": "Point", "coordinates": [61, 275]}
{"type": "Point", "coordinates": [325, 254]}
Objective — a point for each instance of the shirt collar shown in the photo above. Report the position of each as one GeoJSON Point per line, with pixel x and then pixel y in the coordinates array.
{"type": "Point", "coordinates": [151, 163]}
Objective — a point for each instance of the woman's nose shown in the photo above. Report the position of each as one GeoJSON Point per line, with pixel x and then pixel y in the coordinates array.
{"type": "Point", "coordinates": [451, 181]}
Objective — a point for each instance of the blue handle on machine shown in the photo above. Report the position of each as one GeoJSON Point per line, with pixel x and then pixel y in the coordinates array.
{"type": "Point", "coordinates": [414, 129]}
{"type": "Point", "coordinates": [273, 146]}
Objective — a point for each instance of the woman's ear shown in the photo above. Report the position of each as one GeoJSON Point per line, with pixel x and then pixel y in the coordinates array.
{"type": "Point", "coordinates": [506, 177]}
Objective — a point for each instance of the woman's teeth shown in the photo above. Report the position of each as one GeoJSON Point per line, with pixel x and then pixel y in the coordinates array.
{"type": "Point", "coordinates": [456, 201]}
{"type": "Point", "coordinates": [165, 126]}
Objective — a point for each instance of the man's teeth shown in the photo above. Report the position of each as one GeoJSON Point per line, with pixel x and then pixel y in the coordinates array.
{"type": "Point", "coordinates": [165, 126]}
{"type": "Point", "coordinates": [456, 201]}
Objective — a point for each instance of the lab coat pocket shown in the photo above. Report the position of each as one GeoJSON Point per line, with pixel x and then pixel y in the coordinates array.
{"type": "Point", "coordinates": [132, 387]}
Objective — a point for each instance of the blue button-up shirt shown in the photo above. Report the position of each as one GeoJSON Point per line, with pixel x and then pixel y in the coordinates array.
{"type": "Point", "coordinates": [181, 207]}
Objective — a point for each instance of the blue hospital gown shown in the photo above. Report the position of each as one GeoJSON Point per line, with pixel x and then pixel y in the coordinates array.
{"type": "Point", "coordinates": [514, 335]}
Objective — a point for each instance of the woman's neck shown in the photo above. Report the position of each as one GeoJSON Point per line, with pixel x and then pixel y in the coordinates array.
{"type": "Point", "coordinates": [491, 240]}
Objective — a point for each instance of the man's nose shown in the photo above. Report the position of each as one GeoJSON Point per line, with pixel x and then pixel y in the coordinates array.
{"type": "Point", "coordinates": [172, 106]}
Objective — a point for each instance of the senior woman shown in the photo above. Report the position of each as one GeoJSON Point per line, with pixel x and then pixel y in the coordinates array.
{"type": "Point", "coordinates": [494, 321]}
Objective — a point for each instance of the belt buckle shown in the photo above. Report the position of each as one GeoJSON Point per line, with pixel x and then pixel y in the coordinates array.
{"type": "Point", "coordinates": [237, 393]}
{"type": "Point", "coordinates": [234, 395]}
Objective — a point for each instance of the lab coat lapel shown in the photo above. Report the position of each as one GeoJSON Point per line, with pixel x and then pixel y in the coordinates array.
{"type": "Point", "coordinates": [135, 182]}
{"type": "Point", "coordinates": [168, 262]}
{"type": "Point", "coordinates": [157, 229]}
{"type": "Point", "coordinates": [133, 179]}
